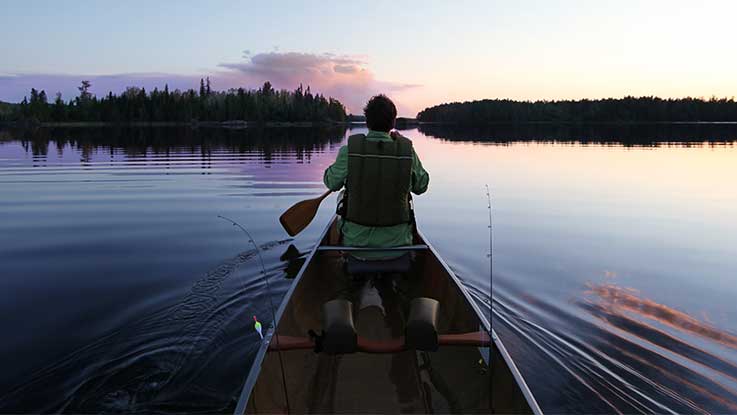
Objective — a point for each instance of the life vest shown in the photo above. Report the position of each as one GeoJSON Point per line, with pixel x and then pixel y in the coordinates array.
{"type": "Point", "coordinates": [379, 181]}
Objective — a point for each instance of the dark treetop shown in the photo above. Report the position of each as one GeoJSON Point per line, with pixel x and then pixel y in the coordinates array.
{"type": "Point", "coordinates": [138, 105]}
{"type": "Point", "coordinates": [6, 110]}
{"type": "Point", "coordinates": [627, 109]}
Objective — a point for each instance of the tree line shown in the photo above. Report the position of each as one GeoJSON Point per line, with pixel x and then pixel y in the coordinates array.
{"type": "Point", "coordinates": [626, 134]}
{"type": "Point", "coordinates": [627, 109]}
{"type": "Point", "coordinates": [138, 105]}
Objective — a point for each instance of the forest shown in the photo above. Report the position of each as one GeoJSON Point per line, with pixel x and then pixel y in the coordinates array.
{"type": "Point", "coordinates": [628, 109]}
{"type": "Point", "coordinates": [264, 104]}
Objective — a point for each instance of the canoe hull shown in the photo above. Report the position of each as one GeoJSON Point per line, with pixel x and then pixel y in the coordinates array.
{"type": "Point", "coordinates": [288, 378]}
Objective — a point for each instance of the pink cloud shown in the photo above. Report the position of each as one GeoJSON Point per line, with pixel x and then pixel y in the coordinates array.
{"type": "Point", "coordinates": [344, 77]}
{"type": "Point", "coordinates": [346, 68]}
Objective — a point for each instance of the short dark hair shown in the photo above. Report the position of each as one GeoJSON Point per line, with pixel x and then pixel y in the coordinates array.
{"type": "Point", "coordinates": [380, 113]}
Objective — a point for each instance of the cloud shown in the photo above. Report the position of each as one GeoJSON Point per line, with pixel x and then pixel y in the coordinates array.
{"type": "Point", "coordinates": [346, 68]}
{"type": "Point", "coordinates": [345, 77]}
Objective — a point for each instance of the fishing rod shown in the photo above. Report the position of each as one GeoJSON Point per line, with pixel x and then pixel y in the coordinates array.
{"type": "Point", "coordinates": [491, 259]}
{"type": "Point", "coordinates": [257, 325]}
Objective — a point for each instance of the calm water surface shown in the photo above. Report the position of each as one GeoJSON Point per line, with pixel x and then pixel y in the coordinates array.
{"type": "Point", "coordinates": [122, 290]}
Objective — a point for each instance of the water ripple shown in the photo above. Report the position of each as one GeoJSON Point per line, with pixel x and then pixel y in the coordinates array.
{"type": "Point", "coordinates": [626, 364]}
{"type": "Point", "coordinates": [143, 366]}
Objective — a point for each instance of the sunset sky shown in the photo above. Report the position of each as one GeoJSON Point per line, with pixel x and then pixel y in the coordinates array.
{"type": "Point", "coordinates": [419, 53]}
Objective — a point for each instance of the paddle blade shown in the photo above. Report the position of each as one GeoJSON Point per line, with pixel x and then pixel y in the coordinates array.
{"type": "Point", "coordinates": [297, 217]}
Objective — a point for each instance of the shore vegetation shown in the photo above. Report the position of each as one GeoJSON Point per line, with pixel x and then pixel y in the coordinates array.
{"type": "Point", "coordinates": [136, 105]}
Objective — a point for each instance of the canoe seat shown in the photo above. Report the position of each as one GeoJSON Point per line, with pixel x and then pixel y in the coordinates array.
{"type": "Point", "coordinates": [339, 332]}
{"type": "Point", "coordinates": [421, 332]}
{"type": "Point", "coordinates": [400, 264]}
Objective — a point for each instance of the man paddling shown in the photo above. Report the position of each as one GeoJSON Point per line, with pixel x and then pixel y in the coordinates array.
{"type": "Point", "coordinates": [378, 171]}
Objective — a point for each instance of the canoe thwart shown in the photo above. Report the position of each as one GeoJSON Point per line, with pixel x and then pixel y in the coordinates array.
{"type": "Point", "coordinates": [471, 339]}
{"type": "Point", "coordinates": [369, 249]}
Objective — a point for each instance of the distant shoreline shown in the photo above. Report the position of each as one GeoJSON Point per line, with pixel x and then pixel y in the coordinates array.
{"type": "Point", "coordinates": [237, 124]}
{"type": "Point", "coordinates": [628, 110]}
{"type": "Point", "coordinates": [492, 123]}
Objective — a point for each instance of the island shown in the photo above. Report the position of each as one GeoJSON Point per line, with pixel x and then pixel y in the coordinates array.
{"type": "Point", "coordinates": [609, 110]}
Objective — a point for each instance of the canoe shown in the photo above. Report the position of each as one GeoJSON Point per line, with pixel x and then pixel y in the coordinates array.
{"type": "Point", "coordinates": [381, 342]}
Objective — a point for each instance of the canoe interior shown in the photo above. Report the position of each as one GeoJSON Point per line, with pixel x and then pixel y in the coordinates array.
{"type": "Point", "coordinates": [454, 379]}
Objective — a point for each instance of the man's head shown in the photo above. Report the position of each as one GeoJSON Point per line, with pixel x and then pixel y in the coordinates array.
{"type": "Point", "coordinates": [380, 113]}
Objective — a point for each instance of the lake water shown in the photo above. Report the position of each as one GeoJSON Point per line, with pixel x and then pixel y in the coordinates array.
{"type": "Point", "coordinates": [121, 288]}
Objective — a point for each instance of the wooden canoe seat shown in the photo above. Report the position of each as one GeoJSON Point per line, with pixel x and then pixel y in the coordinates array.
{"type": "Point", "coordinates": [421, 332]}
{"type": "Point", "coordinates": [339, 332]}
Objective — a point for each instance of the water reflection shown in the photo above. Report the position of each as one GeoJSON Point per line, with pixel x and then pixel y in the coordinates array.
{"type": "Point", "coordinates": [629, 366]}
{"type": "Point", "coordinates": [617, 302]}
{"type": "Point", "coordinates": [127, 293]}
{"type": "Point", "coordinates": [147, 365]}
{"type": "Point", "coordinates": [137, 141]}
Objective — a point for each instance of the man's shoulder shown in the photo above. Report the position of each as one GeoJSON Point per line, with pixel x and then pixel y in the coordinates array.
{"type": "Point", "coordinates": [359, 136]}
{"type": "Point", "coordinates": [404, 140]}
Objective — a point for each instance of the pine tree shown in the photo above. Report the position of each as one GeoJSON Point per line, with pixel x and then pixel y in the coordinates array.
{"type": "Point", "coordinates": [57, 113]}
{"type": "Point", "coordinates": [84, 94]}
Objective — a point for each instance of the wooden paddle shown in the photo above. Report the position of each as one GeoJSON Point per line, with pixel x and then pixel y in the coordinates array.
{"type": "Point", "coordinates": [297, 217]}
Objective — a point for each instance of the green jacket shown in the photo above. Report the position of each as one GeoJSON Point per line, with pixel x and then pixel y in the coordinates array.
{"type": "Point", "coordinates": [359, 235]}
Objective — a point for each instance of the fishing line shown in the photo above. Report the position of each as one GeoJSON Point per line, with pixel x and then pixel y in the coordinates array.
{"type": "Point", "coordinates": [271, 301]}
{"type": "Point", "coordinates": [491, 259]}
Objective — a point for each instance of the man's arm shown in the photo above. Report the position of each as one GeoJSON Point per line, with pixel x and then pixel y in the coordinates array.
{"type": "Point", "coordinates": [335, 175]}
{"type": "Point", "coordinates": [420, 177]}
